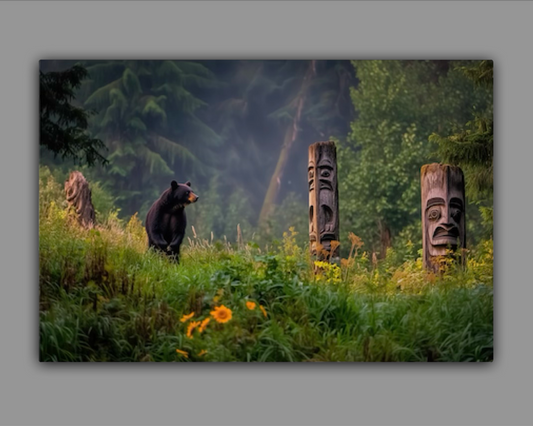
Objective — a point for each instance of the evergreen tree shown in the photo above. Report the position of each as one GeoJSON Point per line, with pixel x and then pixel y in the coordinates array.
{"type": "Point", "coordinates": [471, 148]}
{"type": "Point", "coordinates": [63, 126]}
{"type": "Point", "coordinates": [147, 117]}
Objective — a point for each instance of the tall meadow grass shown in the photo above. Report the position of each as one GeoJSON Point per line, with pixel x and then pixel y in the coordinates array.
{"type": "Point", "coordinates": [105, 297]}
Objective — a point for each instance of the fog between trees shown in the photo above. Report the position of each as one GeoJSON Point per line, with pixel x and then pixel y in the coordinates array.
{"type": "Point", "coordinates": [240, 131]}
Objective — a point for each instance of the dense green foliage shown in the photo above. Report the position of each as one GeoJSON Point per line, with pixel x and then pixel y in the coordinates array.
{"type": "Point", "coordinates": [103, 297]}
{"type": "Point", "coordinates": [399, 105]}
{"type": "Point", "coordinates": [472, 148]}
{"type": "Point", "coordinates": [63, 126]}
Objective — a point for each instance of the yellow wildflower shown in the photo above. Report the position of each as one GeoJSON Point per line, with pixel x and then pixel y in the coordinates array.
{"type": "Point", "coordinates": [204, 324]}
{"type": "Point", "coordinates": [192, 326]}
{"type": "Point", "coordinates": [250, 305]}
{"type": "Point", "coordinates": [185, 354]}
{"type": "Point", "coordinates": [202, 352]}
{"type": "Point", "coordinates": [187, 317]}
{"type": "Point", "coordinates": [263, 310]}
{"type": "Point", "coordinates": [221, 313]}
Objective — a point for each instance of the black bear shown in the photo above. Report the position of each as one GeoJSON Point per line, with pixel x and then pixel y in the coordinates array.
{"type": "Point", "coordinates": [166, 221]}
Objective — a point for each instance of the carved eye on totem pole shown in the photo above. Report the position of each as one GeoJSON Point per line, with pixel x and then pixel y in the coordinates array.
{"type": "Point", "coordinates": [323, 196]}
{"type": "Point", "coordinates": [326, 176]}
{"type": "Point", "coordinates": [443, 211]}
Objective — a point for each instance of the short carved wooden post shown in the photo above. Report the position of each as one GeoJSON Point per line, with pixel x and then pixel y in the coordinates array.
{"type": "Point", "coordinates": [79, 197]}
{"type": "Point", "coordinates": [443, 212]}
{"type": "Point", "coordinates": [323, 199]}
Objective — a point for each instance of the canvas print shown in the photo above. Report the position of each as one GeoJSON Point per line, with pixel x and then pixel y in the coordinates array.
{"type": "Point", "coordinates": [266, 211]}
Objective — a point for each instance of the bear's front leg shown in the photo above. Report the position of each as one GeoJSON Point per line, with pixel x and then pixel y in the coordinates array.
{"type": "Point", "coordinates": [174, 247]}
{"type": "Point", "coordinates": [177, 225]}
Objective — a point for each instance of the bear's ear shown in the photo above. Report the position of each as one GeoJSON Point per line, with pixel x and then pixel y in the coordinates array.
{"type": "Point", "coordinates": [173, 185]}
{"type": "Point", "coordinates": [188, 183]}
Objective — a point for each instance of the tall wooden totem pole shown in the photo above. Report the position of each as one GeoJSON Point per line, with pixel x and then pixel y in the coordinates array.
{"type": "Point", "coordinates": [323, 198]}
{"type": "Point", "coordinates": [443, 212]}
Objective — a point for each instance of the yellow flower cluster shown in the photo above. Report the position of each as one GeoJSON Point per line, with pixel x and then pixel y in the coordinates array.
{"type": "Point", "coordinates": [329, 272]}
{"type": "Point", "coordinates": [220, 314]}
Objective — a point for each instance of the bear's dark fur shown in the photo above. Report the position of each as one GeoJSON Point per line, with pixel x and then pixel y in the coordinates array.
{"type": "Point", "coordinates": [166, 221]}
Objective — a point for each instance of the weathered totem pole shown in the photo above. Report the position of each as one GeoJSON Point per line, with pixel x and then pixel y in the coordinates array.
{"type": "Point", "coordinates": [323, 199]}
{"type": "Point", "coordinates": [78, 196]}
{"type": "Point", "coordinates": [443, 212]}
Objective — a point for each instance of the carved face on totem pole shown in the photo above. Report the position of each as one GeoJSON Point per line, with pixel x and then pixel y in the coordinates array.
{"type": "Point", "coordinates": [443, 210]}
{"type": "Point", "coordinates": [323, 196]}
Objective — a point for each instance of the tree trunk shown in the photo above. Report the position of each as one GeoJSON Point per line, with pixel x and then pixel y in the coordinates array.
{"type": "Point", "coordinates": [79, 197]}
{"type": "Point", "coordinates": [385, 238]}
{"type": "Point", "coordinates": [290, 136]}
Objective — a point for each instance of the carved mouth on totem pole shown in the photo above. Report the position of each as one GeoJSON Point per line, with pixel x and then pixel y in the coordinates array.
{"type": "Point", "coordinates": [327, 231]}
{"type": "Point", "coordinates": [446, 236]}
{"type": "Point", "coordinates": [326, 240]}
{"type": "Point", "coordinates": [328, 217]}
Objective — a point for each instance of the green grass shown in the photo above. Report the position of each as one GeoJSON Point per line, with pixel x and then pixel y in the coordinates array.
{"type": "Point", "coordinates": [104, 297]}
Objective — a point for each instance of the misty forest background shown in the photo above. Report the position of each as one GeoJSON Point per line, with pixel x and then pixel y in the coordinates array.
{"type": "Point", "coordinates": [240, 132]}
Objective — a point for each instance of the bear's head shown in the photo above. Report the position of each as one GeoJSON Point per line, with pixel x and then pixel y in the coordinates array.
{"type": "Point", "coordinates": [181, 194]}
